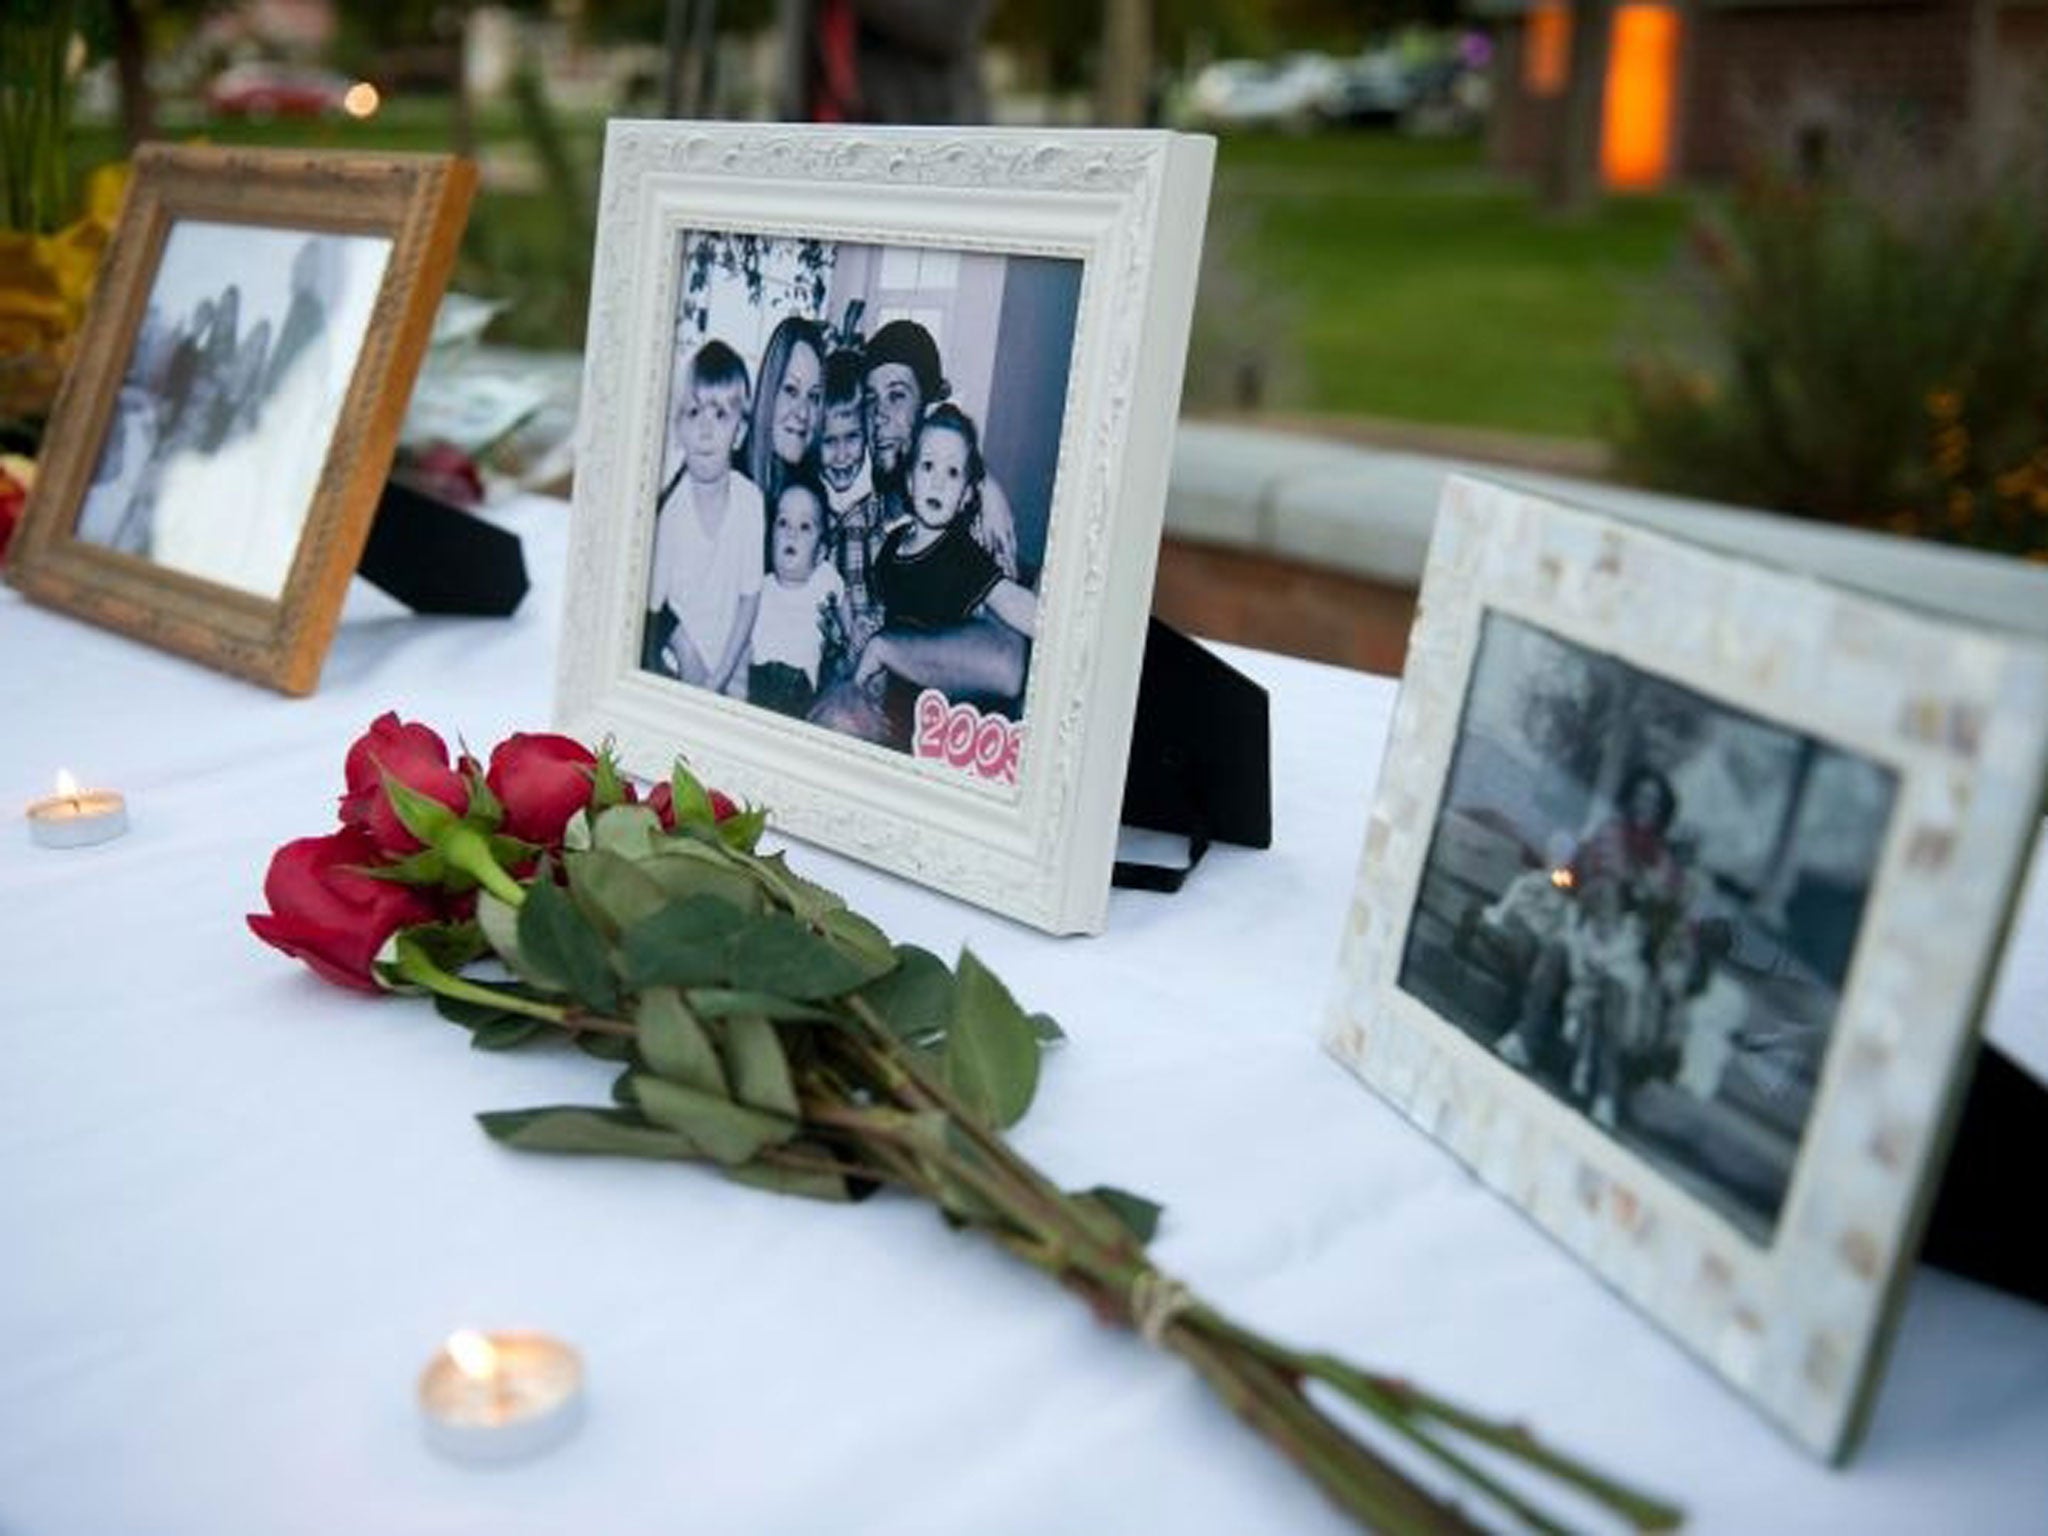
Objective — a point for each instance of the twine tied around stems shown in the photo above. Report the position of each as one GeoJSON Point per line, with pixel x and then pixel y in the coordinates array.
{"type": "Point", "coordinates": [1156, 1300]}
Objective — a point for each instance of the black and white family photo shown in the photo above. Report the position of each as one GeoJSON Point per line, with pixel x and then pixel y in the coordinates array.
{"type": "Point", "coordinates": [858, 476]}
{"type": "Point", "coordinates": [1647, 902]}
{"type": "Point", "coordinates": [233, 389]}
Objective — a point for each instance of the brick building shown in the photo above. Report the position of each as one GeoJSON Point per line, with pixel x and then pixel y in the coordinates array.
{"type": "Point", "coordinates": [1691, 86]}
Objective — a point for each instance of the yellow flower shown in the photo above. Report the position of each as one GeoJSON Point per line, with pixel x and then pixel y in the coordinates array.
{"type": "Point", "coordinates": [46, 283]}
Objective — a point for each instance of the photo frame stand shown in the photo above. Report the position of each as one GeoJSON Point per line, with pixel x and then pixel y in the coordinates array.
{"type": "Point", "coordinates": [438, 559]}
{"type": "Point", "coordinates": [1201, 757]}
{"type": "Point", "coordinates": [1974, 1230]}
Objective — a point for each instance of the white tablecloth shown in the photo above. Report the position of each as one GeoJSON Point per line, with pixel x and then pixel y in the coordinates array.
{"type": "Point", "coordinates": [239, 1209]}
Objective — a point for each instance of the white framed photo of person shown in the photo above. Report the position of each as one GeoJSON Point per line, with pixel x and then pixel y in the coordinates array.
{"type": "Point", "coordinates": [1682, 888]}
{"type": "Point", "coordinates": [214, 460]}
{"type": "Point", "coordinates": [875, 438]}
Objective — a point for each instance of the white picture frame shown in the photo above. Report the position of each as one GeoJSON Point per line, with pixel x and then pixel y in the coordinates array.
{"type": "Point", "coordinates": [932, 226]}
{"type": "Point", "coordinates": [1758, 1180]}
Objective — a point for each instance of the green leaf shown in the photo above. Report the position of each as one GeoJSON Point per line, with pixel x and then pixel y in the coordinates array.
{"type": "Point", "coordinates": [630, 831]}
{"type": "Point", "coordinates": [760, 1070]}
{"type": "Point", "coordinates": [685, 944]}
{"type": "Point", "coordinates": [469, 1015]}
{"type": "Point", "coordinates": [691, 801]}
{"type": "Point", "coordinates": [743, 829]}
{"type": "Point", "coordinates": [611, 890]}
{"type": "Point", "coordinates": [915, 999]}
{"type": "Point", "coordinates": [426, 867]}
{"type": "Point", "coordinates": [499, 923]}
{"type": "Point", "coordinates": [776, 953]}
{"type": "Point", "coordinates": [574, 1128]}
{"type": "Point", "coordinates": [505, 1033]}
{"type": "Point", "coordinates": [991, 1058]}
{"type": "Point", "coordinates": [686, 869]}
{"type": "Point", "coordinates": [425, 818]}
{"type": "Point", "coordinates": [604, 1047]}
{"type": "Point", "coordinates": [674, 1043]}
{"type": "Point", "coordinates": [1136, 1214]}
{"type": "Point", "coordinates": [808, 901]}
{"type": "Point", "coordinates": [792, 1181]}
{"type": "Point", "coordinates": [559, 944]}
{"type": "Point", "coordinates": [724, 1003]}
{"type": "Point", "coordinates": [511, 852]}
{"type": "Point", "coordinates": [576, 834]}
{"type": "Point", "coordinates": [450, 946]}
{"type": "Point", "coordinates": [607, 786]}
{"type": "Point", "coordinates": [486, 810]}
{"type": "Point", "coordinates": [860, 939]}
{"type": "Point", "coordinates": [472, 1015]}
{"type": "Point", "coordinates": [729, 1132]}
{"type": "Point", "coordinates": [1047, 1029]}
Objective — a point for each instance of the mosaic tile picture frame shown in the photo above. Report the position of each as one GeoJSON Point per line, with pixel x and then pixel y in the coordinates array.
{"type": "Point", "coordinates": [1682, 889]}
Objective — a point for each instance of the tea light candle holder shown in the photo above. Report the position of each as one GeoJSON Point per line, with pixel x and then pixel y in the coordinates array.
{"type": "Point", "coordinates": [76, 818]}
{"type": "Point", "coordinates": [500, 1397]}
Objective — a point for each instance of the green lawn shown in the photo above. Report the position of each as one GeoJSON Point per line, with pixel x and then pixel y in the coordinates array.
{"type": "Point", "coordinates": [1399, 279]}
{"type": "Point", "coordinates": [1347, 274]}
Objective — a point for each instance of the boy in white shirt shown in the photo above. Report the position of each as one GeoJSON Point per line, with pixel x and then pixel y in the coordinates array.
{"type": "Point", "coordinates": [704, 583]}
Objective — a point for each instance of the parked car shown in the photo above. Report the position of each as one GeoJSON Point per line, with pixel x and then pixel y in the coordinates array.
{"type": "Point", "coordinates": [263, 90]}
{"type": "Point", "coordinates": [1291, 92]}
{"type": "Point", "coordinates": [1418, 90]}
{"type": "Point", "coordinates": [1372, 88]}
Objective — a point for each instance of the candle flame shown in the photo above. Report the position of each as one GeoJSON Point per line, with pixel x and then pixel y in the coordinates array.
{"type": "Point", "coordinates": [1561, 877]}
{"type": "Point", "coordinates": [67, 786]}
{"type": "Point", "coordinates": [474, 1355]}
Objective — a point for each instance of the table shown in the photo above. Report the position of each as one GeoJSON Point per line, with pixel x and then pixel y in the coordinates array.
{"type": "Point", "coordinates": [239, 1209]}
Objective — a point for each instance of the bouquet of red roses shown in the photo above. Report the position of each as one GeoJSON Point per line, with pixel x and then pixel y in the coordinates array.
{"type": "Point", "coordinates": [763, 1027]}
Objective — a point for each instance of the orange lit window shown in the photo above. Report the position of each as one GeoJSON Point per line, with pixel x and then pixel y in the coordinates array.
{"type": "Point", "coordinates": [1547, 48]}
{"type": "Point", "coordinates": [1642, 68]}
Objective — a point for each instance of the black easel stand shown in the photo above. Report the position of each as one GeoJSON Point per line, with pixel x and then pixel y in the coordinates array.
{"type": "Point", "coordinates": [436, 558]}
{"type": "Point", "coordinates": [1984, 1227]}
{"type": "Point", "coordinates": [1201, 757]}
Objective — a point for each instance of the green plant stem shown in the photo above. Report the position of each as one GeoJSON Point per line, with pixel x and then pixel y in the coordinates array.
{"type": "Point", "coordinates": [416, 967]}
{"type": "Point", "coordinates": [883, 1114]}
{"type": "Point", "coordinates": [468, 850]}
{"type": "Point", "coordinates": [1260, 1380]}
{"type": "Point", "coordinates": [1103, 1261]}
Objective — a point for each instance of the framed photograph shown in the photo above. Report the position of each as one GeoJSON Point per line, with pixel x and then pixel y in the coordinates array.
{"type": "Point", "coordinates": [213, 462]}
{"type": "Point", "coordinates": [1681, 891]}
{"type": "Point", "coordinates": [876, 431]}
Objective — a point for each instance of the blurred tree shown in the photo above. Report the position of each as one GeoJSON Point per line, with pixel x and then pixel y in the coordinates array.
{"type": "Point", "coordinates": [133, 31]}
{"type": "Point", "coordinates": [1571, 183]}
{"type": "Point", "coordinates": [1123, 93]}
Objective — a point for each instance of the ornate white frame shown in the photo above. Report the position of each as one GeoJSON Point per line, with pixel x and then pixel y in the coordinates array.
{"type": "Point", "coordinates": [1129, 207]}
{"type": "Point", "coordinates": [1798, 1327]}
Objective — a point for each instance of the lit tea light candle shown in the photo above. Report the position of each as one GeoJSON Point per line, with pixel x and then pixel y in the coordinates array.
{"type": "Point", "coordinates": [76, 818]}
{"type": "Point", "coordinates": [501, 1396]}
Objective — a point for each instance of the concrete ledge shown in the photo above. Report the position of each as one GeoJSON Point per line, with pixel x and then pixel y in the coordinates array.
{"type": "Point", "coordinates": [1369, 513]}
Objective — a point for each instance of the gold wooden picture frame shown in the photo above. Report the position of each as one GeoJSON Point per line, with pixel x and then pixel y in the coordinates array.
{"type": "Point", "coordinates": [214, 459]}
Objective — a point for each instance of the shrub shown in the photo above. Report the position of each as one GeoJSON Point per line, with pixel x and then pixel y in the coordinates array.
{"type": "Point", "coordinates": [1868, 345]}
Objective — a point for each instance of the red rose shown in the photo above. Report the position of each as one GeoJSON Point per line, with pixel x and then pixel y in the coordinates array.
{"type": "Point", "coordinates": [541, 780]}
{"type": "Point", "coordinates": [326, 913]}
{"type": "Point", "coordinates": [13, 495]}
{"type": "Point", "coordinates": [444, 472]}
{"type": "Point", "coordinates": [415, 756]}
{"type": "Point", "coordinates": [662, 801]}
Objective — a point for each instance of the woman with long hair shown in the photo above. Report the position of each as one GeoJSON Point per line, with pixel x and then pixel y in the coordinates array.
{"type": "Point", "coordinates": [788, 409]}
